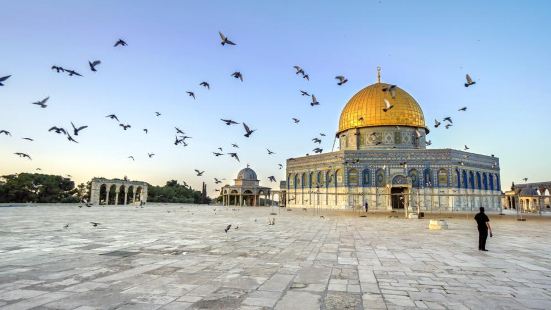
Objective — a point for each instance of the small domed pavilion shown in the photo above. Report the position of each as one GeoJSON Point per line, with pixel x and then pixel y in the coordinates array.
{"type": "Point", "coordinates": [246, 191]}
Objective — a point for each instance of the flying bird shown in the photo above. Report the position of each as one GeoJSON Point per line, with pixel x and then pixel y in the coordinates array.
{"type": "Point", "coordinates": [391, 89]}
{"type": "Point", "coordinates": [205, 84]}
{"type": "Point", "coordinates": [237, 75]}
{"type": "Point", "coordinates": [314, 101]}
{"type": "Point", "coordinates": [178, 130]}
{"type": "Point", "coordinates": [270, 152]}
{"type": "Point", "coordinates": [145, 130]}
{"type": "Point", "coordinates": [5, 132]}
{"type": "Point", "coordinates": [463, 109]}
{"type": "Point", "coordinates": [157, 114]}
{"type": "Point", "coordinates": [125, 127]}
{"type": "Point", "coordinates": [280, 166]}
{"type": "Point", "coordinates": [224, 40]}
{"type": "Point", "coordinates": [388, 106]}
{"type": "Point", "coordinates": [71, 139]}
{"type": "Point", "coordinates": [525, 179]}
{"type": "Point", "coordinates": [221, 149]}
{"type": "Point", "coordinates": [3, 79]}
{"type": "Point", "coordinates": [199, 173]}
{"type": "Point", "coordinates": [272, 178]}
{"type": "Point", "coordinates": [306, 76]}
{"type": "Point", "coordinates": [448, 119]}
{"type": "Point", "coordinates": [296, 120]}
{"type": "Point", "coordinates": [469, 81]}
{"type": "Point", "coordinates": [428, 142]}
{"type": "Point", "coordinates": [73, 72]}
{"type": "Point", "coordinates": [341, 79]}
{"type": "Point", "coordinates": [299, 70]}
{"type": "Point", "coordinates": [248, 130]}
{"type": "Point", "coordinates": [131, 157]}
{"type": "Point", "coordinates": [466, 147]}
{"type": "Point", "coordinates": [436, 123]}
{"type": "Point", "coordinates": [317, 140]}
{"type": "Point", "coordinates": [191, 94]}
{"type": "Point", "coordinates": [113, 116]}
{"type": "Point", "coordinates": [229, 121]}
{"type": "Point", "coordinates": [120, 42]}
{"type": "Point", "coordinates": [58, 130]}
{"type": "Point", "coordinates": [23, 155]}
{"type": "Point", "coordinates": [322, 134]}
{"type": "Point", "coordinates": [150, 155]}
{"type": "Point", "coordinates": [42, 103]}
{"type": "Point", "coordinates": [448, 126]}
{"type": "Point", "coordinates": [216, 181]}
{"type": "Point", "coordinates": [77, 130]}
{"type": "Point", "coordinates": [234, 155]}
{"type": "Point", "coordinates": [93, 64]}
{"type": "Point", "coordinates": [235, 145]}
{"type": "Point", "coordinates": [317, 150]}
{"type": "Point", "coordinates": [217, 154]}
{"type": "Point", "coordinates": [58, 69]}
{"type": "Point", "coordinates": [304, 93]}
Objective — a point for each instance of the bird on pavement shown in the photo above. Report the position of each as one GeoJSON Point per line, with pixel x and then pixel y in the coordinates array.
{"type": "Point", "coordinates": [94, 224]}
{"type": "Point", "coordinates": [42, 103]}
{"type": "Point", "coordinates": [227, 228]}
{"type": "Point", "coordinates": [77, 130]}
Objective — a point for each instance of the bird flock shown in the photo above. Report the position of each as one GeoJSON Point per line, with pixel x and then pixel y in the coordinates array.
{"type": "Point", "coordinates": [181, 138]}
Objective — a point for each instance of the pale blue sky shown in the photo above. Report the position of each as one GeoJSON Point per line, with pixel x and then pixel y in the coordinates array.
{"type": "Point", "coordinates": [425, 47]}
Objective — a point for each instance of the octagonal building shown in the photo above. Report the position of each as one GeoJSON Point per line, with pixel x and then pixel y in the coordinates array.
{"type": "Point", "coordinates": [383, 160]}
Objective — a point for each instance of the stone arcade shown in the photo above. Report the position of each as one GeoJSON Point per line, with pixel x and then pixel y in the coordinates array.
{"type": "Point", "coordinates": [117, 192]}
{"type": "Point", "coordinates": [246, 191]}
{"type": "Point", "coordinates": [383, 160]}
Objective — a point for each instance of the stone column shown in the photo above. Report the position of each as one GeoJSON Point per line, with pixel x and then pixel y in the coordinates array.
{"type": "Point", "coordinates": [107, 188]}
{"type": "Point", "coordinates": [134, 196]}
{"type": "Point", "coordinates": [240, 200]}
{"type": "Point", "coordinates": [117, 196]}
{"type": "Point", "coordinates": [125, 196]}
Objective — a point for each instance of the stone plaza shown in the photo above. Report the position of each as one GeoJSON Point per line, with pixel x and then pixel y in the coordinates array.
{"type": "Point", "coordinates": [179, 257]}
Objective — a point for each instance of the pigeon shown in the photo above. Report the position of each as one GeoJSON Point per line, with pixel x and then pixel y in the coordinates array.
{"type": "Point", "coordinates": [178, 130]}
{"type": "Point", "coordinates": [145, 130]}
{"type": "Point", "coordinates": [304, 93]}
{"type": "Point", "coordinates": [131, 157]}
{"type": "Point", "coordinates": [157, 114]}
{"type": "Point", "coordinates": [77, 130]}
{"type": "Point", "coordinates": [388, 106]}
{"type": "Point", "coordinates": [66, 226]}
{"type": "Point", "coordinates": [58, 69]}
{"type": "Point", "coordinates": [469, 81]}
{"type": "Point", "coordinates": [113, 116]}
{"type": "Point", "coordinates": [58, 130]}
{"type": "Point", "coordinates": [221, 149]}
{"type": "Point", "coordinates": [229, 121]}
{"type": "Point", "coordinates": [314, 101]}
{"type": "Point", "coordinates": [93, 65]}
{"type": "Point", "coordinates": [205, 84]}
{"type": "Point", "coordinates": [525, 180]}
{"type": "Point", "coordinates": [391, 89]}
{"type": "Point", "coordinates": [317, 150]}
{"type": "Point", "coordinates": [28, 139]}
{"type": "Point", "coordinates": [237, 75]}
{"type": "Point", "coordinates": [298, 70]}
{"type": "Point", "coordinates": [270, 152]}
{"type": "Point", "coordinates": [71, 138]}
{"type": "Point", "coordinates": [224, 40]}
{"type": "Point", "coordinates": [3, 79]}
{"type": "Point", "coordinates": [227, 228]}
{"type": "Point", "coordinates": [199, 173]}
{"type": "Point", "coordinates": [272, 178]}
{"type": "Point", "coordinates": [234, 155]}
{"type": "Point", "coordinates": [125, 127]}
{"type": "Point", "coordinates": [95, 224]}
{"type": "Point", "coordinates": [428, 142]}
{"type": "Point", "coordinates": [317, 140]}
{"type": "Point", "coordinates": [341, 79]}
{"type": "Point", "coordinates": [217, 154]}
{"type": "Point", "coordinates": [191, 94]}
{"type": "Point", "coordinates": [120, 42]}
{"type": "Point", "coordinates": [280, 166]}
{"type": "Point", "coordinates": [5, 132]}
{"type": "Point", "coordinates": [466, 147]}
{"type": "Point", "coordinates": [436, 123]}
{"type": "Point", "coordinates": [248, 131]}
{"type": "Point", "coordinates": [448, 119]}
{"type": "Point", "coordinates": [42, 103]}
{"type": "Point", "coordinates": [306, 76]}
{"type": "Point", "coordinates": [448, 126]}
{"type": "Point", "coordinates": [23, 155]}
{"type": "Point", "coordinates": [296, 120]}
{"type": "Point", "coordinates": [73, 72]}
{"type": "Point", "coordinates": [235, 145]}
{"type": "Point", "coordinates": [322, 134]}
{"type": "Point", "coordinates": [150, 155]}
{"type": "Point", "coordinates": [216, 181]}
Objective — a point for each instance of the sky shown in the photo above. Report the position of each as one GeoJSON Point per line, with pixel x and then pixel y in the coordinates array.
{"type": "Point", "coordinates": [424, 47]}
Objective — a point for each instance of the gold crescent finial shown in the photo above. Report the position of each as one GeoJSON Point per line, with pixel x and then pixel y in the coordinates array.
{"type": "Point", "coordinates": [378, 74]}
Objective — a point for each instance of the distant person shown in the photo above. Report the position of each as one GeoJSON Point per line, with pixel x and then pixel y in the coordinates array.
{"type": "Point", "coordinates": [483, 223]}
{"type": "Point", "coordinates": [366, 206]}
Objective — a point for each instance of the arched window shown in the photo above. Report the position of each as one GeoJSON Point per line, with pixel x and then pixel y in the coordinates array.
{"type": "Point", "coordinates": [427, 178]}
{"type": "Point", "coordinates": [338, 178]}
{"type": "Point", "coordinates": [485, 181]}
{"type": "Point", "coordinates": [380, 178]}
{"type": "Point", "coordinates": [491, 178]}
{"type": "Point", "coordinates": [297, 181]}
{"type": "Point", "coordinates": [498, 185]}
{"type": "Point", "coordinates": [352, 177]}
{"type": "Point", "coordinates": [465, 180]}
{"type": "Point", "coordinates": [414, 176]}
{"type": "Point", "coordinates": [478, 181]}
{"type": "Point", "coordinates": [443, 177]}
{"type": "Point", "coordinates": [366, 178]}
{"type": "Point", "coordinates": [303, 181]}
{"type": "Point", "coordinates": [471, 179]}
{"type": "Point", "coordinates": [456, 178]}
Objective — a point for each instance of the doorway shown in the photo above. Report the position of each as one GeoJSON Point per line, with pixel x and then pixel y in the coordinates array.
{"type": "Point", "coordinates": [398, 197]}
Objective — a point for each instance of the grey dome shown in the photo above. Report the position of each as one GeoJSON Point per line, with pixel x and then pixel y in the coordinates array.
{"type": "Point", "coordinates": [247, 174]}
{"type": "Point", "coordinates": [528, 191]}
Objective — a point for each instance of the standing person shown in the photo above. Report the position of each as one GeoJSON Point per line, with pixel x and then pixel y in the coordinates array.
{"type": "Point", "coordinates": [483, 223]}
{"type": "Point", "coordinates": [366, 206]}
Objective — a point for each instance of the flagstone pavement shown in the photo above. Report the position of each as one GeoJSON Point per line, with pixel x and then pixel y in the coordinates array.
{"type": "Point", "coordinates": [179, 257]}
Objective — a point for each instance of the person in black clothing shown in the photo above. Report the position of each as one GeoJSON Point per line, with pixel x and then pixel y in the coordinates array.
{"type": "Point", "coordinates": [483, 227]}
{"type": "Point", "coordinates": [366, 206]}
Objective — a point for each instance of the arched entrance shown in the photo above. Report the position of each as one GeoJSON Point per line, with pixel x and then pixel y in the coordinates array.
{"type": "Point", "coordinates": [103, 194]}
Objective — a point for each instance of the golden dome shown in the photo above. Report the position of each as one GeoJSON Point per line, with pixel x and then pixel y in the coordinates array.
{"type": "Point", "coordinates": [365, 109]}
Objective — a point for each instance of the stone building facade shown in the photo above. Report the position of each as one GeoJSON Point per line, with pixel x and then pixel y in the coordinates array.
{"type": "Point", "coordinates": [246, 191]}
{"type": "Point", "coordinates": [529, 197]}
{"type": "Point", "coordinates": [117, 192]}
